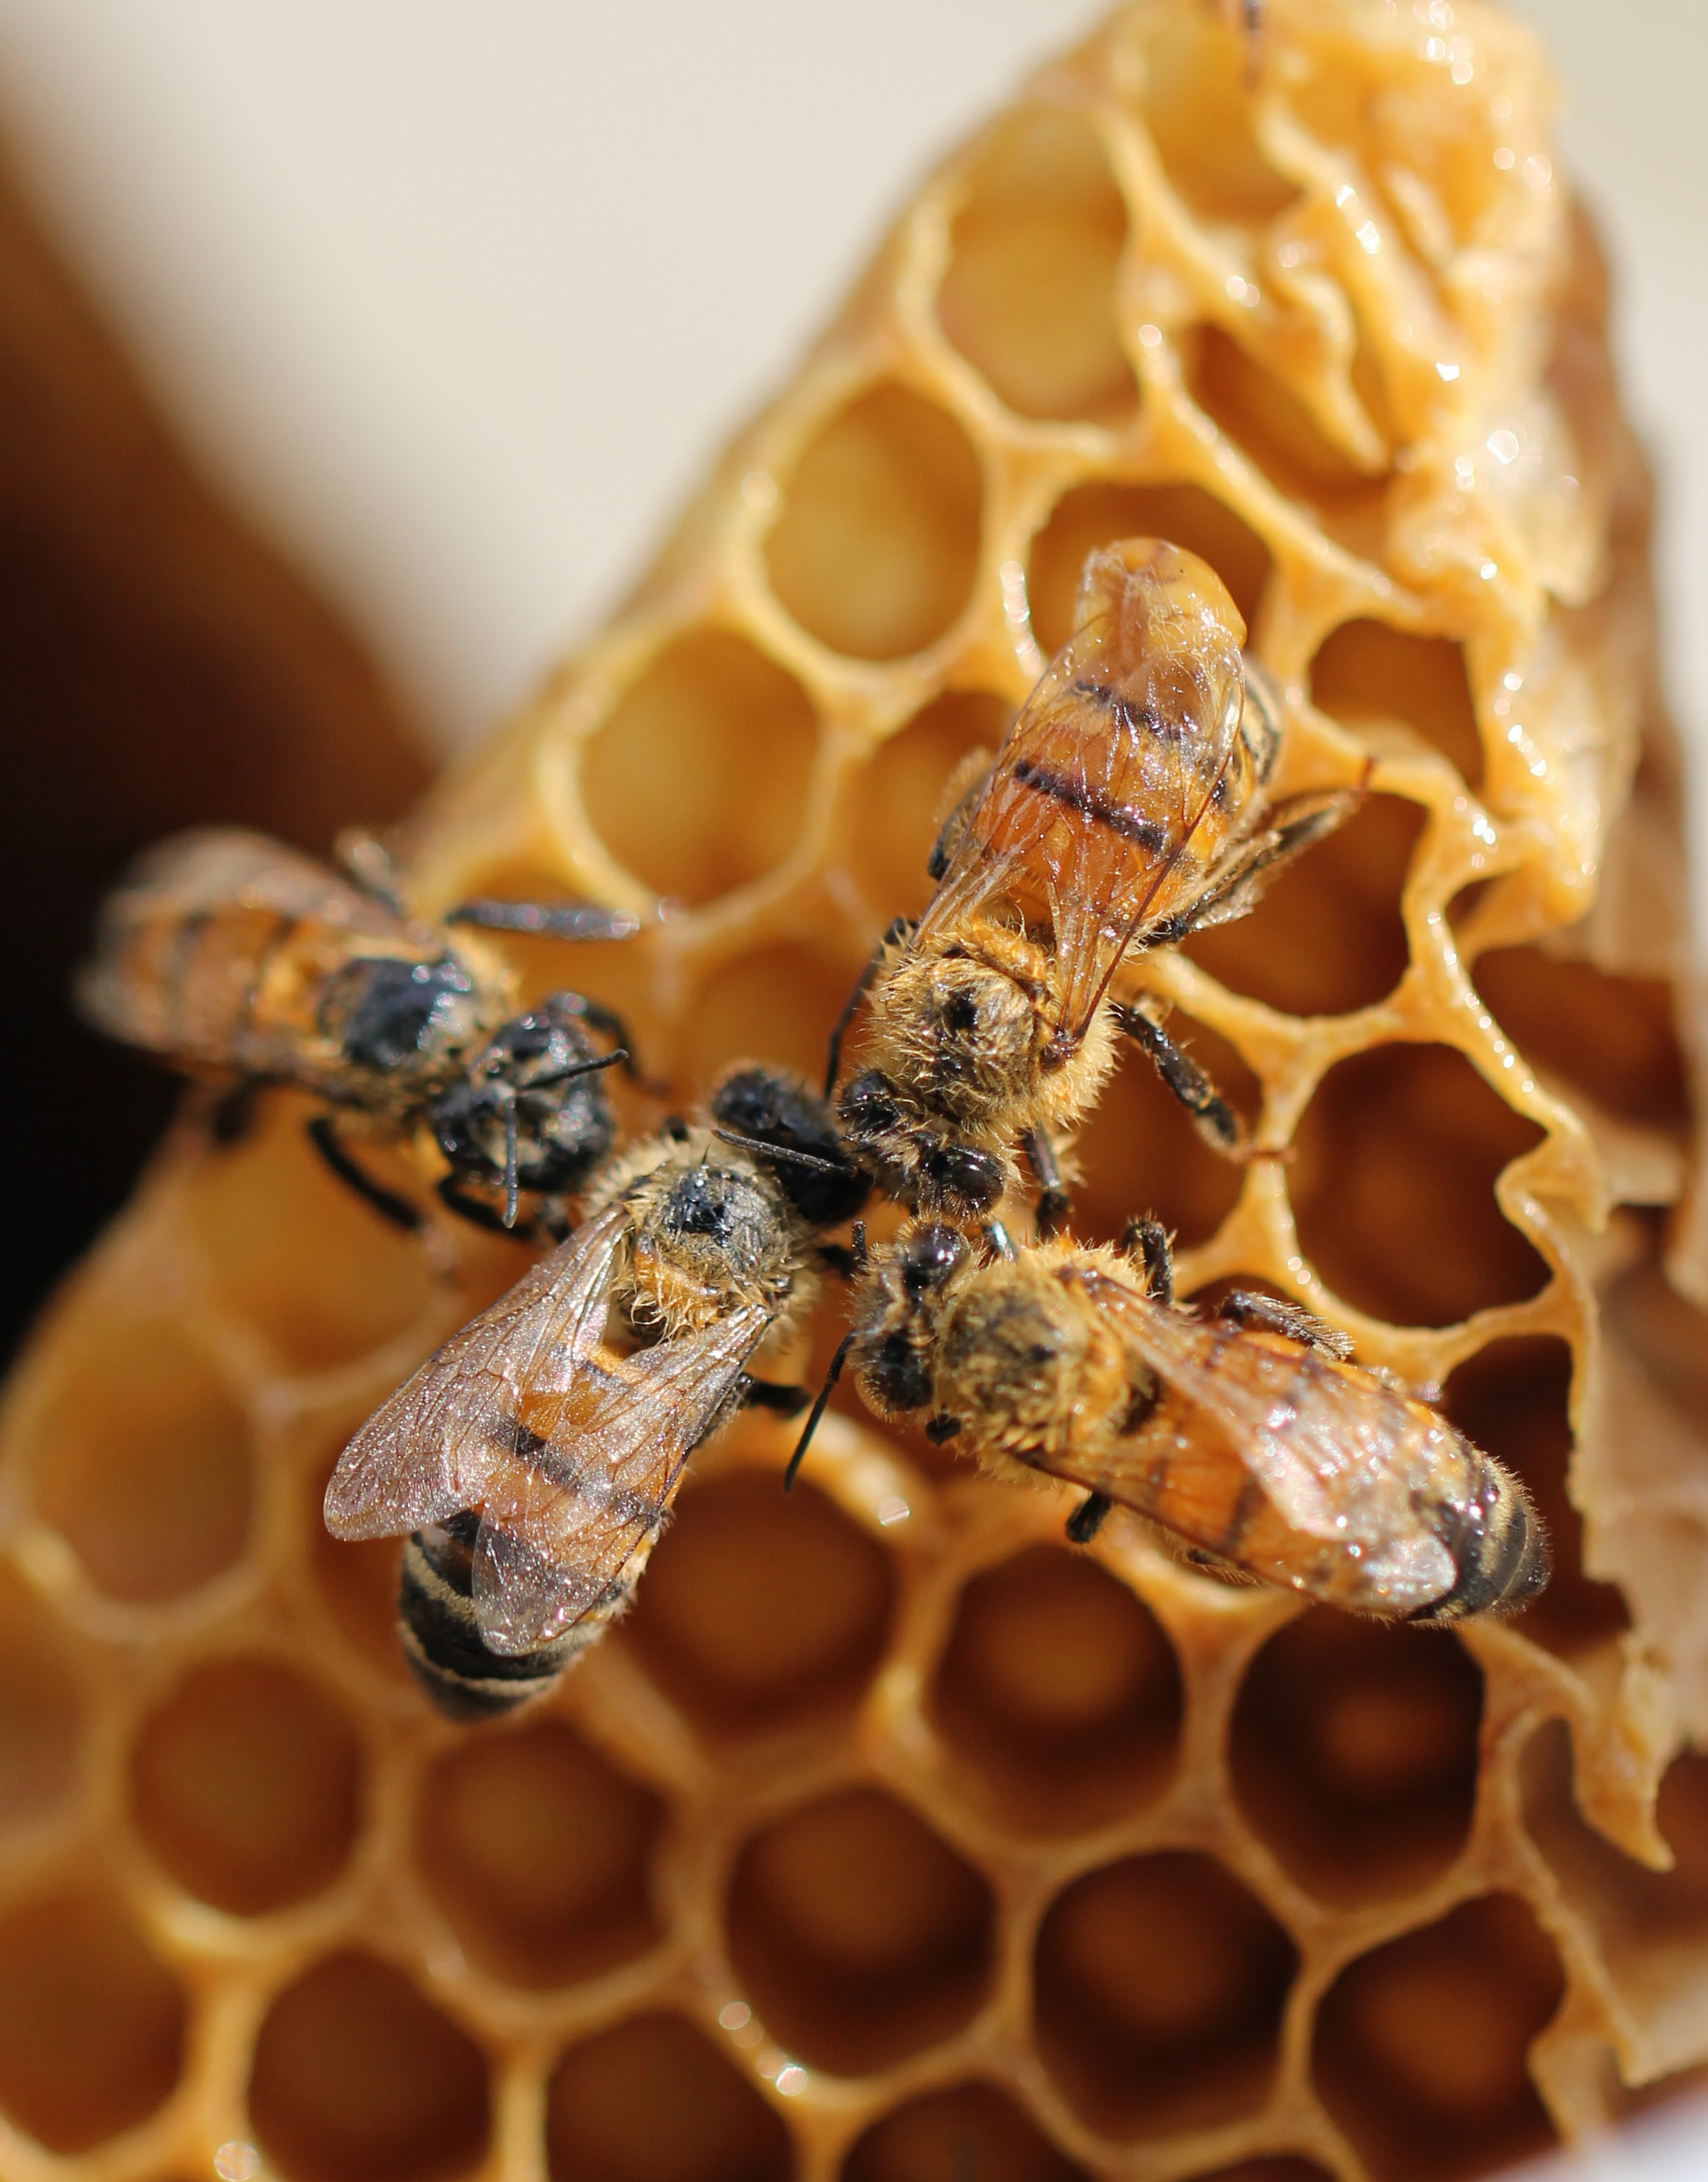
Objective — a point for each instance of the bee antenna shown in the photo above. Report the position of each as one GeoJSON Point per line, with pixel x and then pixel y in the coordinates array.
{"type": "Point", "coordinates": [578, 1068]}
{"type": "Point", "coordinates": [818, 1407]}
{"type": "Point", "coordinates": [778, 1152]}
{"type": "Point", "coordinates": [511, 1188]}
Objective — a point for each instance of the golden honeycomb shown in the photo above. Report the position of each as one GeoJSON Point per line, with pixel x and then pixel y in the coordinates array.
{"type": "Point", "coordinates": [889, 1838]}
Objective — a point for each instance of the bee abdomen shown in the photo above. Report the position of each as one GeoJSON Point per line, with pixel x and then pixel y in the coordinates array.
{"type": "Point", "coordinates": [1499, 1546]}
{"type": "Point", "coordinates": [441, 1636]}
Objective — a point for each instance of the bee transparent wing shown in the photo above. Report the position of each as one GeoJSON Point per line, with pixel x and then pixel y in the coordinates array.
{"type": "Point", "coordinates": [182, 942]}
{"type": "Point", "coordinates": [565, 1520]}
{"type": "Point", "coordinates": [432, 1449]}
{"type": "Point", "coordinates": [1098, 787]}
{"type": "Point", "coordinates": [1339, 1453]}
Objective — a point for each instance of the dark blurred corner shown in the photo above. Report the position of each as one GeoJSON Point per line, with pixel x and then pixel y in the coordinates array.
{"type": "Point", "coordinates": [160, 667]}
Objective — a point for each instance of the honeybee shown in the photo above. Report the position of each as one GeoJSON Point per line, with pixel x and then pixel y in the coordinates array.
{"type": "Point", "coordinates": [1125, 808]}
{"type": "Point", "coordinates": [1250, 1441]}
{"type": "Point", "coordinates": [227, 951]}
{"type": "Point", "coordinates": [535, 1457]}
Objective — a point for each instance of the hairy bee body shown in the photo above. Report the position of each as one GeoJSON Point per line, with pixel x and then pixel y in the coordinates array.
{"type": "Point", "coordinates": [534, 1459]}
{"type": "Point", "coordinates": [1126, 806]}
{"type": "Point", "coordinates": [1274, 1458]}
{"type": "Point", "coordinates": [225, 951]}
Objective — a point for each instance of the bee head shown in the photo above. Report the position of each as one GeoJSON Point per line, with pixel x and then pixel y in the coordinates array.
{"type": "Point", "coordinates": [535, 1069]}
{"type": "Point", "coordinates": [932, 1173]}
{"type": "Point", "coordinates": [770, 1106]}
{"type": "Point", "coordinates": [893, 1352]}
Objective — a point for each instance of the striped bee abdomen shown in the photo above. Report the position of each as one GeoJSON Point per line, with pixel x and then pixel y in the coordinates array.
{"type": "Point", "coordinates": [442, 1638]}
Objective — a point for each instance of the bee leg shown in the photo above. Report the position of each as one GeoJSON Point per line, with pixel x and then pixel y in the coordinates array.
{"type": "Point", "coordinates": [477, 1212]}
{"type": "Point", "coordinates": [549, 920]}
{"type": "Point", "coordinates": [781, 1401]}
{"type": "Point", "coordinates": [1054, 1203]}
{"type": "Point", "coordinates": [324, 1136]}
{"type": "Point", "coordinates": [1216, 1121]}
{"type": "Point", "coordinates": [608, 1021]}
{"type": "Point", "coordinates": [1245, 1307]}
{"type": "Point", "coordinates": [1087, 1519]}
{"type": "Point", "coordinates": [901, 928]}
{"type": "Point", "coordinates": [964, 789]}
{"type": "Point", "coordinates": [836, 1258]}
{"type": "Point", "coordinates": [1147, 1240]}
{"type": "Point", "coordinates": [1295, 825]}
{"type": "Point", "coordinates": [997, 1235]}
{"type": "Point", "coordinates": [368, 863]}
{"type": "Point", "coordinates": [232, 1113]}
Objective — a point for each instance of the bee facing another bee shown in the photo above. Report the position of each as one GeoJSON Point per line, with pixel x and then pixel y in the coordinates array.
{"type": "Point", "coordinates": [226, 951]}
{"type": "Point", "coordinates": [535, 1457]}
{"type": "Point", "coordinates": [1250, 1441]}
{"type": "Point", "coordinates": [1127, 808]}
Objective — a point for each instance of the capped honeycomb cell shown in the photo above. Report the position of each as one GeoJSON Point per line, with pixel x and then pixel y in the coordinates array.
{"type": "Point", "coordinates": [888, 1838]}
{"type": "Point", "coordinates": [357, 2076]}
{"type": "Point", "coordinates": [1354, 1754]}
{"type": "Point", "coordinates": [538, 1851]}
{"type": "Point", "coordinates": [664, 789]}
{"type": "Point", "coordinates": [1058, 1691]}
{"type": "Point", "coordinates": [762, 1609]}
{"type": "Point", "coordinates": [651, 2100]}
{"type": "Point", "coordinates": [1029, 295]}
{"type": "Point", "coordinates": [1420, 2046]}
{"type": "Point", "coordinates": [859, 1935]}
{"type": "Point", "coordinates": [91, 2022]}
{"type": "Point", "coordinates": [1160, 1982]}
{"type": "Point", "coordinates": [246, 1785]}
{"type": "Point", "coordinates": [1393, 1188]}
{"type": "Point", "coordinates": [875, 549]}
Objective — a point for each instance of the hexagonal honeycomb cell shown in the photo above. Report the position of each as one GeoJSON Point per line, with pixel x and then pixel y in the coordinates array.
{"type": "Point", "coordinates": [891, 1839]}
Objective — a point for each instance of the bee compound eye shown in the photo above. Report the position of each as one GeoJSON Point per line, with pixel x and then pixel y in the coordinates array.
{"type": "Point", "coordinates": [963, 1180]}
{"type": "Point", "coordinates": [931, 1255]}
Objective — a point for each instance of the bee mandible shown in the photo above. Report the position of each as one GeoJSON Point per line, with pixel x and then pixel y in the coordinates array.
{"type": "Point", "coordinates": [1250, 1441]}
{"type": "Point", "coordinates": [534, 1459]}
{"type": "Point", "coordinates": [1125, 808]}
{"type": "Point", "coordinates": [226, 951]}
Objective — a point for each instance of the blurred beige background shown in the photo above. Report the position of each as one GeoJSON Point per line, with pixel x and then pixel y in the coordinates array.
{"type": "Point", "coordinates": [458, 295]}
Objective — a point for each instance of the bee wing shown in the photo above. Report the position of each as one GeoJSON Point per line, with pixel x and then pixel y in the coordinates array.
{"type": "Point", "coordinates": [1339, 1455]}
{"type": "Point", "coordinates": [431, 1450]}
{"type": "Point", "coordinates": [224, 896]}
{"type": "Point", "coordinates": [1098, 787]}
{"type": "Point", "coordinates": [562, 1522]}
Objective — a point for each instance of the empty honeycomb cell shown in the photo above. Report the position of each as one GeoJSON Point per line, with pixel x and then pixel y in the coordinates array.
{"type": "Point", "coordinates": [144, 1465]}
{"type": "Point", "coordinates": [895, 807]}
{"type": "Point", "coordinates": [1366, 673]}
{"type": "Point", "coordinates": [91, 2025]}
{"type": "Point", "coordinates": [1393, 1187]}
{"type": "Point", "coordinates": [1160, 1982]}
{"type": "Point", "coordinates": [356, 2078]}
{"type": "Point", "coordinates": [859, 1936]}
{"type": "Point", "coordinates": [296, 1252]}
{"type": "Point", "coordinates": [1420, 2047]}
{"type": "Point", "coordinates": [1139, 1152]}
{"type": "Point", "coordinates": [1030, 296]}
{"type": "Point", "coordinates": [1059, 1689]}
{"type": "Point", "coordinates": [1512, 1398]}
{"type": "Point", "coordinates": [1094, 515]}
{"type": "Point", "coordinates": [651, 2100]}
{"type": "Point", "coordinates": [763, 1609]}
{"type": "Point", "coordinates": [1644, 1922]}
{"type": "Point", "coordinates": [1260, 413]}
{"type": "Point", "coordinates": [1329, 936]}
{"type": "Point", "coordinates": [969, 2130]}
{"type": "Point", "coordinates": [1615, 1038]}
{"type": "Point", "coordinates": [1196, 105]}
{"type": "Point", "coordinates": [1354, 1754]}
{"type": "Point", "coordinates": [875, 550]}
{"type": "Point", "coordinates": [246, 1785]}
{"type": "Point", "coordinates": [538, 1852]}
{"type": "Point", "coordinates": [776, 1004]}
{"type": "Point", "coordinates": [38, 1711]}
{"type": "Point", "coordinates": [662, 784]}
